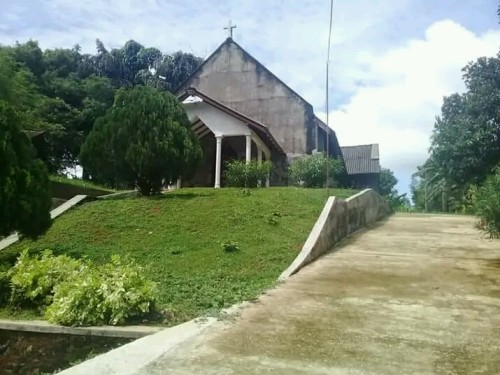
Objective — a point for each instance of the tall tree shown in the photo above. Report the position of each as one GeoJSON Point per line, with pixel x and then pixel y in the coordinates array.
{"type": "Point", "coordinates": [465, 144]}
{"type": "Point", "coordinates": [145, 137]}
{"type": "Point", "coordinates": [24, 183]}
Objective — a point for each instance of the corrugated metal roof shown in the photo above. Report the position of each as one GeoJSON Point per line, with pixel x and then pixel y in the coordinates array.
{"type": "Point", "coordinates": [361, 159]}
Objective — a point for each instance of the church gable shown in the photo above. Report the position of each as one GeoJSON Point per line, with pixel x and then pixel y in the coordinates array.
{"type": "Point", "coordinates": [233, 77]}
{"type": "Point", "coordinates": [231, 58]}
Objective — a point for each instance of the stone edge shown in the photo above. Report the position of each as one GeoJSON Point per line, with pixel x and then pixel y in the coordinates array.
{"type": "Point", "coordinates": [39, 326]}
{"type": "Point", "coordinates": [338, 219]}
{"type": "Point", "coordinates": [134, 356]}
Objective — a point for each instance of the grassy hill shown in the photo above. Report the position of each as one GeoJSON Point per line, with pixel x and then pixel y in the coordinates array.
{"type": "Point", "coordinates": [178, 237]}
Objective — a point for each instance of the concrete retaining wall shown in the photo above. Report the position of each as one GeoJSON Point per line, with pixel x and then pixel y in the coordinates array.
{"type": "Point", "coordinates": [39, 326]}
{"type": "Point", "coordinates": [339, 219]}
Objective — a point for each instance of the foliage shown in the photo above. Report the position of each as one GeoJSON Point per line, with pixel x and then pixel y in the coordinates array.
{"type": "Point", "coordinates": [178, 237]}
{"type": "Point", "coordinates": [110, 294]}
{"type": "Point", "coordinates": [486, 200]}
{"type": "Point", "coordinates": [311, 170]}
{"type": "Point", "coordinates": [5, 289]}
{"type": "Point", "coordinates": [465, 143]}
{"type": "Point", "coordinates": [63, 91]}
{"type": "Point", "coordinates": [134, 64]}
{"type": "Point", "coordinates": [25, 200]}
{"type": "Point", "coordinates": [239, 173]}
{"type": "Point", "coordinates": [33, 278]}
{"type": "Point", "coordinates": [387, 182]}
{"type": "Point", "coordinates": [246, 192]}
{"type": "Point", "coordinates": [230, 246]}
{"type": "Point", "coordinates": [76, 292]}
{"type": "Point", "coordinates": [387, 189]}
{"type": "Point", "coordinates": [146, 137]}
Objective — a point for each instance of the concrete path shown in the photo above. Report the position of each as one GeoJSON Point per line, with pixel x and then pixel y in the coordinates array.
{"type": "Point", "coordinates": [419, 294]}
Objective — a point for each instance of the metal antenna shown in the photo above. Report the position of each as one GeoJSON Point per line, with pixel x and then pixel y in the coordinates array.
{"type": "Point", "coordinates": [327, 101]}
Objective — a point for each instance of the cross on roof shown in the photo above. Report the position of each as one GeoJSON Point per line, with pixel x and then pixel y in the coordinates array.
{"type": "Point", "coordinates": [230, 28]}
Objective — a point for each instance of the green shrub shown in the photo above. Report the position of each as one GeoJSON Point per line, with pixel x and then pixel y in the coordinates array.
{"type": "Point", "coordinates": [310, 170]}
{"type": "Point", "coordinates": [246, 192]}
{"type": "Point", "coordinates": [4, 283]}
{"type": "Point", "coordinates": [109, 294]}
{"type": "Point", "coordinates": [486, 201]}
{"type": "Point", "coordinates": [230, 246]}
{"type": "Point", "coordinates": [241, 174]}
{"type": "Point", "coordinates": [76, 292]}
{"type": "Point", "coordinates": [33, 278]}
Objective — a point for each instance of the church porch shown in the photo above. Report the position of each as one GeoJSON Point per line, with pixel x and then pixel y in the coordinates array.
{"type": "Point", "coordinates": [224, 135]}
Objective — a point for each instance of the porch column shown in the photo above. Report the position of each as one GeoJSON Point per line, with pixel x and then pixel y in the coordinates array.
{"type": "Point", "coordinates": [248, 148]}
{"type": "Point", "coordinates": [218, 157]}
{"type": "Point", "coordinates": [259, 161]}
{"type": "Point", "coordinates": [268, 158]}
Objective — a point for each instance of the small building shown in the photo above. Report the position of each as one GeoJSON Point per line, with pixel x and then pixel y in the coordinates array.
{"type": "Point", "coordinates": [362, 166]}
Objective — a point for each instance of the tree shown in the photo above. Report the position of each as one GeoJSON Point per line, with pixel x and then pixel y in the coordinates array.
{"type": "Point", "coordinates": [25, 200]}
{"type": "Point", "coordinates": [145, 137]}
{"type": "Point", "coordinates": [465, 144]}
{"type": "Point", "coordinates": [387, 182]}
{"type": "Point", "coordinates": [466, 138]}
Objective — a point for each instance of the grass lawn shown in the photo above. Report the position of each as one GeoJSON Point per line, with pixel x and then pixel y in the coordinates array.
{"type": "Point", "coordinates": [178, 237]}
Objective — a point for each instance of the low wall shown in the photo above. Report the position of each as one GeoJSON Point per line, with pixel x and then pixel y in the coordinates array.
{"type": "Point", "coordinates": [339, 219]}
{"type": "Point", "coordinates": [67, 191]}
{"type": "Point", "coordinates": [47, 353]}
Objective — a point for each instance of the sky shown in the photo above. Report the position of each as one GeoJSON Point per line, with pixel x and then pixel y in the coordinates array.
{"type": "Point", "coordinates": [391, 61]}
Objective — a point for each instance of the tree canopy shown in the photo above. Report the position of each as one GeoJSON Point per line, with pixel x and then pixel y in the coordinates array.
{"type": "Point", "coordinates": [63, 91]}
{"type": "Point", "coordinates": [144, 139]}
{"type": "Point", "coordinates": [465, 144]}
{"type": "Point", "coordinates": [24, 183]}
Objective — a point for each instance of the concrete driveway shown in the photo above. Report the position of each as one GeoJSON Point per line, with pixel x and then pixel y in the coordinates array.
{"type": "Point", "coordinates": [418, 294]}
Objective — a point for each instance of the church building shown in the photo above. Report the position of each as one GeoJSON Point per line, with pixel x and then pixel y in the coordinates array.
{"type": "Point", "coordinates": [241, 110]}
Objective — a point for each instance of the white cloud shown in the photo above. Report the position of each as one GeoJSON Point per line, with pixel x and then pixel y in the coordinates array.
{"type": "Point", "coordinates": [405, 87]}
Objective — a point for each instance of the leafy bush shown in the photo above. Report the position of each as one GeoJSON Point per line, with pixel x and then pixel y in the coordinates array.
{"type": "Point", "coordinates": [310, 170]}
{"type": "Point", "coordinates": [76, 292]}
{"type": "Point", "coordinates": [109, 294]}
{"type": "Point", "coordinates": [241, 174]}
{"type": "Point", "coordinates": [33, 278]}
{"type": "Point", "coordinates": [4, 283]}
{"type": "Point", "coordinates": [230, 246]}
{"type": "Point", "coordinates": [246, 192]}
{"type": "Point", "coordinates": [486, 200]}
